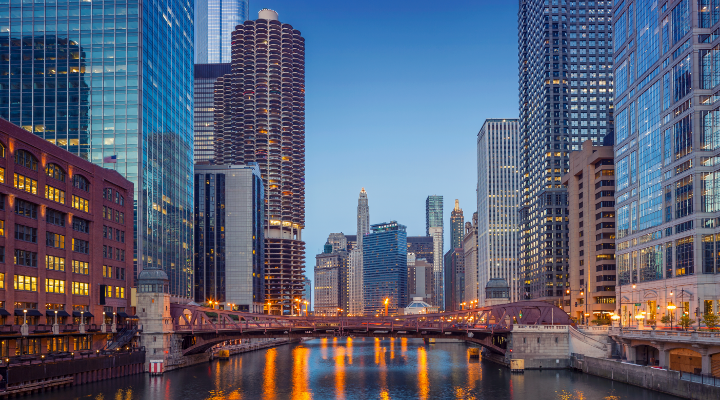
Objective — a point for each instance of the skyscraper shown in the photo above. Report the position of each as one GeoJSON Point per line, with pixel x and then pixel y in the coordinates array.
{"type": "Point", "coordinates": [356, 256]}
{"type": "Point", "coordinates": [498, 187]}
{"type": "Point", "coordinates": [457, 226]}
{"type": "Point", "coordinates": [331, 294]}
{"type": "Point", "coordinates": [565, 77]}
{"type": "Point", "coordinates": [385, 268]}
{"type": "Point", "coordinates": [206, 75]}
{"type": "Point", "coordinates": [434, 229]}
{"type": "Point", "coordinates": [470, 260]}
{"type": "Point", "coordinates": [229, 237]}
{"type": "Point", "coordinates": [667, 133]}
{"type": "Point", "coordinates": [112, 82]}
{"type": "Point", "coordinates": [454, 271]}
{"type": "Point", "coordinates": [215, 20]}
{"type": "Point", "coordinates": [260, 117]}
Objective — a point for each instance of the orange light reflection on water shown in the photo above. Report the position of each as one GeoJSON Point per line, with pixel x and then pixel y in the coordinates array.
{"type": "Point", "coordinates": [349, 350]}
{"type": "Point", "coordinates": [300, 372]}
{"type": "Point", "coordinates": [423, 381]}
{"type": "Point", "coordinates": [340, 372]}
{"type": "Point", "coordinates": [269, 374]}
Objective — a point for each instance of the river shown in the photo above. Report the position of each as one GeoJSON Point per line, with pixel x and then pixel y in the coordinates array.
{"type": "Point", "coordinates": [344, 368]}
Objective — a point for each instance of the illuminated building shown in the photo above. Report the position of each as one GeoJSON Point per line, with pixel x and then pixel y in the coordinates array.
{"type": "Point", "coordinates": [385, 268]}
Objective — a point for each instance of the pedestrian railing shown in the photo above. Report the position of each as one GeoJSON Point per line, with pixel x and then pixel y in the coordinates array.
{"type": "Point", "coordinates": [705, 379]}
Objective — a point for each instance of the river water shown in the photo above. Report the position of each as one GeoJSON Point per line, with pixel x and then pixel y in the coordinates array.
{"type": "Point", "coordinates": [344, 368]}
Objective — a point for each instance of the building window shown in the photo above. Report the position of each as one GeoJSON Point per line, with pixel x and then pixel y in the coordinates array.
{"type": "Point", "coordinates": [107, 271]}
{"type": "Point", "coordinates": [81, 288]}
{"type": "Point", "coordinates": [119, 292]}
{"type": "Point", "coordinates": [54, 285]}
{"type": "Point", "coordinates": [27, 160]}
{"type": "Point", "coordinates": [80, 204]}
{"type": "Point", "coordinates": [2, 175]}
{"type": "Point", "coordinates": [684, 256]}
{"type": "Point", "coordinates": [55, 217]}
{"type": "Point", "coordinates": [25, 233]}
{"type": "Point", "coordinates": [81, 342]}
{"type": "Point", "coordinates": [81, 225]}
{"type": "Point", "coordinates": [23, 282]}
{"type": "Point", "coordinates": [81, 183]}
{"type": "Point", "coordinates": [2, 254]}
{"type": "Point", "coordinates": [81, 246]}
{"type": "Point", "coordinates": [26, 258]}
{"type": "Point", "coordinates": [684, 197]}
{"type": "Point", "coordinates": [55, 263]}
{"type": "Point", "coordinates": [55, 194]}
{"type": "Point", "coordinates": [24, 183]}
{"type": "Point", "coordinates": [79, 267]}
{"type": "Point", "coordinates": [54, 171]}
{"type": "Point", "coordinates": [26, 208]}
{"type": "Point", "coordinates": [108, 291]}
{"type": "Point", "coordinates": [55, 240]}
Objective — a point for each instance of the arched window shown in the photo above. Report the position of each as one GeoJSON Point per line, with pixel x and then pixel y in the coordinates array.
{"type": "Point", "coordinates": [26, 159]}
{"type": "Point", "coordinates": [81, 183]}
{"type": "Point", "coordinates": [54, 171]}
{"type": "Point", "coordinates": [2, 150]}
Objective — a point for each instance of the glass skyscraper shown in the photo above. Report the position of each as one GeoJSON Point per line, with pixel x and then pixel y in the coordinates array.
{"type": "Point", "coordinates": [566, 93]}
{"type": "Point", "coordinates": [434, 229]}
{"type": "Point", "coordinates": [85, 76]}
{"type": "Point", "coordinates": [215, 20]}
{"type": "Point", "coordinates": [385, 268]}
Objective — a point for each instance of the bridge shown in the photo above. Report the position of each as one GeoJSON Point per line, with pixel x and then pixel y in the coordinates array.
{"type": "Point", "coordinates": [202, 328]}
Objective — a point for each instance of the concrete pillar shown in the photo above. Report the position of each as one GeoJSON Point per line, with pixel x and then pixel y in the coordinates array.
{"type": "Point", "coordinates": [664, 358]}
{"type": "Point", "coordinates": [706, 368]}
{"type": "Point", "coordinates": [631, 353]}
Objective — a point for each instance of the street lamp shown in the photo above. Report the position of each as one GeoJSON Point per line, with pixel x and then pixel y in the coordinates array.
{"type": "Point", "coordinates": [672, 308]}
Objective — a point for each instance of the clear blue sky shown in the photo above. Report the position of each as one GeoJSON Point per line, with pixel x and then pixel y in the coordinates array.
{"type": "Point", "coordinates": [396, 92]}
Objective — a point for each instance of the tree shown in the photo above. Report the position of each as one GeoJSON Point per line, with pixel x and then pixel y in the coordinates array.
{"type": "Point", "coordinates": [665, 319]}
{"type": "Point", "coordinates": [711, 320]}
{"type": "Point", "coordinates": [685, 321]}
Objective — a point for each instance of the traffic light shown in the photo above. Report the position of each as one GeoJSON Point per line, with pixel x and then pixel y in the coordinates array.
{"type": "Point", "coordinates": [697, 311]}
{"type": "Point", "coordinates": [576, 304]}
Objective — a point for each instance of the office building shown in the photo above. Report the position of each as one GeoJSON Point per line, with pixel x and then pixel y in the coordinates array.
{"type": "Point", "coordinates": [591, 199]}
{"type": "Point", "coordinates": [420, 278]}
{"type": "Point", "coordinates": [434, 229]}
{"type": "Point", "coordinates": [363, 217]}
{"type": "Point", "coordinates": [470, 260]}
{"type": "Point", "coordinates": [385, 268]}
{"type": "Point", "coordinates": [260, 118]}
{"type": "Point", "coordinates": [457, 226]}
{"type": "Point", "coordinates": [337, 241]}
{"type": "Point", "coordinates": [206, 75]}
{"type": "Point", "coordinates": [84, 268]}
{"type": "Point", "coordinates": [113, 83]}
{"type": "Point", "coordinates": [229, 237]}
{"type": "Point", "coordinates": [355, 273]}
{"type": "Point", "coordinates": [566, 93]}
{"type": "Point", "coordinates": [331, 274]}
{"type": "Point", "coordinates": [498, 188]}
{"type": "Point", "coordinates": [307, 293]}
{"type": "Point", "coordinates": [215, 20]}
{"type": "Point", "coordinates": [422, 247]}
{"type": "Point", "coordinates": [666, 176]}
{"type": "Point", "coordinates": [454, 271]}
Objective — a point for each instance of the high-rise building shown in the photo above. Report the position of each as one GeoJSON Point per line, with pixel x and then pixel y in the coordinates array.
{"type": "Point", "coordinates": [470, 260]}
{"type": "Point", "coordinates": [229, 236]}
{"type": "Point", "coordinates": [338, 241]}
{"type": "Point", "coordinates": [351, 242]}
{"type": "Point", "coordinates": [206, 75]}
{"type": "Point", "coordinates": [215, 20]}
{"type": "Point", "coordinates": [420, 278]}
{"type": "Point", "coordinates": [355, 273]}
{"type": "Point", "coordinates": [434, 229]}
{"type": "Point", "coordinates": [565, 83]}
{"type": "Point", "coordinates": [422, 247]}
{"type": "Point", "coordinates": [331, 294]}
{"type": "Point", "coordinates": [498, 188]}
{"type": "Point", "coordinates": [260, 117]}
{"type": "Point", "coordinates": [307, 293]}
{"type": "Point", "coordinates": [591, 198]}
{"type": "Point", "coordinates": [112, 83]}
{"type": "Point", "coordinates": [363, 217]}
{"type": "Point", "coordinates": [666, 175]}
{"type": "Point", "coordinates": [457, 226]}
{"type": "Point", "coordinates": [454, 270]}
{"type": "Point", "coordinates": [385, 268]}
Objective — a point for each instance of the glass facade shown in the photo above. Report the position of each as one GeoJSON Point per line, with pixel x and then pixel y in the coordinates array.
{"type": "Point", "coordinates": [229, 236]}
{"type": "Point", "coordinates": [215, 20]}
{"type": "Point", "coordinates": [85, 76]}
{"type": "Point", "coordinates": [385, 268]}
{"type": "Point", "coordinates": [206, 75]}
{"type": "Point", "coordinates": [566, 95]}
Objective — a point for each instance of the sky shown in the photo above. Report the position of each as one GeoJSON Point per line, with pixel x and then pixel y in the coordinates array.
{"type": "Point", "coordinates": [396, 92]}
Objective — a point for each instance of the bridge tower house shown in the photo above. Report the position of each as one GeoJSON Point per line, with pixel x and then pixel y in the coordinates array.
{"type": "Point", "coordinates": [153, 310]}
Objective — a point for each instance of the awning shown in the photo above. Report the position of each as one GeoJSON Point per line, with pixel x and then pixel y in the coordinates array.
{"type": "Point", "coordinates": [60, 313]}
{"type": "Point", "coordinates": [30, 313]}
{"type": "Point", "coordinates": [4, 313]}
{"type": "Point", "coordinates": [84, 314]}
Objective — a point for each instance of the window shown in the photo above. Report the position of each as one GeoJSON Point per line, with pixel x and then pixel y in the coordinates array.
{"type": "Point", "coordinates": [55, 217]}
{"type": "Point", "coordinates": [684, 257]}
{"type": "Point", "coordinates": [81, 183]}
{"type": "Point", "coordinates": [25, 233]}
{"type": "Point", "coordinates": [81, 225]}
{"type": "Point", "coordinates": [80, 203]}
{"type": "Point", "coordinates": [2, 228]}
{"type": "Point", "coordinates": [81, 246]}
{"type": "Point", "coordinates": [55, 240]}
{"type": "Point", "coordinates": [80, 267]}
{"type": "Point", "coordinates": [107, 194]}
{"type": "Point", "coordinates": [108, 291]}
{"type": "Point", "coordinates": [26, 208]}
{"type": "Point", "coordinates": [54, 286]}
{"type": "Point", "coordinates": [24, 183]}
{"type": "Point", "coordinates": [26, 258]}
{"type": "Point", "coordinates": [81, 343]}
{"type": "Point", "coordinates": [28, 283]}
{"type": "Point", "coordinates": [122, 236]}
{"type": "Point", "coordinates": [119, 292]}
{"type": "Point", "coordinates": [684, 197]}
{"type": "Point", "coordinates": [119, 273]}
{"type": "Point", "coordinates": [122, 218]}
{"type": "Point", "coordinates": [81, 288]}
{"type": "Point", "coordinates": [54, 194]}
{"type": "Point", "coordinates": [107, 271]}
{"type": "Point", "coordinates": [54, 171]}
{"type": "Point", "coordinates": [2, 175]}
{"type": "Point", "coordinates": [55, 263]}
{"type": "Point", "coordinates": [2, 254]}
{"type": "Point", "coordinates": [27, 160]}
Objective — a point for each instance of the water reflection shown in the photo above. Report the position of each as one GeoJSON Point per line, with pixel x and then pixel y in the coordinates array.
{"type": "Point", "coordinates": [353, 369]}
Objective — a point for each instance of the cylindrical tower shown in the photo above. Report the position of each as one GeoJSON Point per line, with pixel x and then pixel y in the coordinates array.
{"type": "Point", "coordinates": [263, 121]}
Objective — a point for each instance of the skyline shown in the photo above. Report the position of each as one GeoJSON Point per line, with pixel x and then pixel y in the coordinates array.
{"type": "Point", "coordinates": [447, 129]}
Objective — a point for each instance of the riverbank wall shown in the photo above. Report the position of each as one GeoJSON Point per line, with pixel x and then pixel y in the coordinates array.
{"type": "Point", "coordinates": [649, 378]}
{"type": "Point", "coordinates": [187, 361]}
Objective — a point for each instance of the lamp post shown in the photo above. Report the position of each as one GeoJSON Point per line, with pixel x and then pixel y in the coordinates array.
{"type": "Point", "coordinates": [672, 308]}
{"type": "Point", "coordinates": [24, 317]}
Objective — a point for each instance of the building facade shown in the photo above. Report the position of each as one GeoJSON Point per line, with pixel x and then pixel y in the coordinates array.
{"type": "Point", "coordinates": [498, 189]}
{"type": "Point", "coordinates": [83, 272]}
{"type": "Point", "coordinates": [454, 279]}
{"type": "Point", "coordinates": [565, 84]}
{"type": "Point", "coordinates": [422, 247]}
{"type": "Point", "coordinates": [331, 296]}
{"type": "Point", "coordinates": [591, 199]}
{"type": "Point", "coordinates": [457, 226]}
{"type": "Point", "coordinates": [385, 268]}
{"type": "Point", "coordinates": [470, 259]}
{"type": "Point", "coordinates": [420, 278]}
{"type": "Point", "coordinates": [206, 75]}
{"type": "Point", "coordinates": [307, 293]}
{"type": "Point", "coordinates": [116, 89]}
{"type": "Point", "coordinates": [229, 237]}
{"type": "Point", "coordinates": [434, 229]}
{"type": "Point", "coordinates": [355, 278]}
{"type": "Point", "coordinates": [260, 117]}
{"type": "Point", "coordinates": [666, 144]}
{"type": "Point", "coordinates": [215, 20]}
